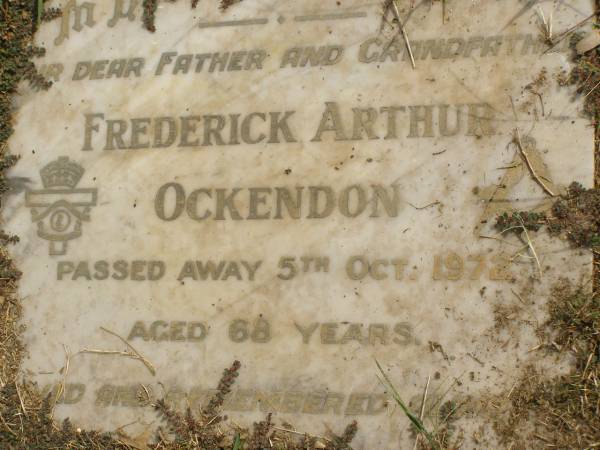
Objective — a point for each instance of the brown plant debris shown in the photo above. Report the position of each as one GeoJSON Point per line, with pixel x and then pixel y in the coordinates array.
{"type": "Point", "coordinates": [391, 4]}
{"type": "Point", "coordinates": [225, 4]}
{"type": "Point", "coordinates": [186, 431]}
{"type": "Point", "coordinates": [132, 351]}
{"type": "Point", "coordinates": [574, 324]}
{"type": "Point", "coordinates": [345, 439]}
{"type": "Point", "coordinates": [51, 14]}
{"type": "Point", "coordinates": [261, 435]}
{"type": "Point", "coordinates": [575, 215]}
{"type": "Point", "coordinates": [437, 347]}
{"type": "Point", "coordinates": [149, 14]}
{"type": "Point", "coordinates": [227, 380]}
{"type": "Point", "coordinates": [16, 65]}
{"type": "Point", "coordinates": [563, 411]}
{"type": "Point", "coordinates": [505, 315]}
{"type": "Point", "coordinates": [37, 430]}
{"type": "Point", "coordinates": [150, 7]}
{"type": "Point", "coordinates": [16, 54]}
{"type": "Point", "coordinates": [586, 77]}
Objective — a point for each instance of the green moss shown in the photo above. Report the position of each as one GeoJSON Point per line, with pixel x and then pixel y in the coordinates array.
{"type": "Point", "coordinates": [518, 220]}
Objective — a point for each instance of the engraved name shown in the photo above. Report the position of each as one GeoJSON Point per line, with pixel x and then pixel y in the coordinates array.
{"type": "Point", "coordinates": [388, 122]}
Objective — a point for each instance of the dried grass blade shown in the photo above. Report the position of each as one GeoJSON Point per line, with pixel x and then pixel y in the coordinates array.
{"type": "Point", "coordinates": [418, 424]}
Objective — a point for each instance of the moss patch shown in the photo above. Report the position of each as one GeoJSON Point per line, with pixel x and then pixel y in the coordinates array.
{"type": "Point", "coordinates": [519, 220]}
{"type": "Point", "coordinates": [576, 216]}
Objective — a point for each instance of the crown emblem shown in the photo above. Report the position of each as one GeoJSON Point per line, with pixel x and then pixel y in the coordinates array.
{"type": "Point", "coordinates": [61, 173]}
{"type": "Point", "coordinates": [60, 208]}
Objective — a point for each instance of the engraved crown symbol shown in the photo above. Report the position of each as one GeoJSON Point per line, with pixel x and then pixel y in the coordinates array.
{"type": "Point", "coordinates": [61, 173]}
{"type": "Point", "coordinates": [60, 208]}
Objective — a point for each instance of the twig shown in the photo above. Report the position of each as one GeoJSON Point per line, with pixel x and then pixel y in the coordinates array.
{"type": "Point", "coordinates": [127, 425]}
{"type": "Point", "coordinates": [593, 89]}
{"type": "Point", "coordinates": [546, 25]}
{"type": "Point", "coordinates": [7, 427]}
{"type": "Point", "coordinates": [426, 206]}
{"type": "Point", "coordinates": [147, 363]}
{"type": "Point", "coordinates": [211, 420]}
{"type": "Point", "coordinates": [61, 388]}
{"type": "Point", "coordinates": [506, 230]}
{"type": "Point", "coordinates": [404, 34]}
{"type": "Point", "coordinates": [541, 101]}
{"type": "Point", "coordinates": [110, 352]}
{"type": "Point", "coordinates": [161, 436]}
{"type": "Point", "coordinates": [542, 438]}
{"type": "Point", "coordinates": [533, 349]}
{"type": "Point", "coordinates": [518, 296]}
{"type": "Point", "coordinates": [518, 253]}
{"type": "Point", "coordinates": [423, 402]}
{"type": "Point", "coordinates": [512, 389]}
{"type": "Point", "coordinates": [497, 239]}
{"type": "Point", "coordinates": [299, 434]}
{"type": "Point", "coordinates": [443, 11]}
{"type": "Point", "coordinates": [514, 166]}
{"type": "Point", "coordinates": [514, 109]}
{"type": "Point", "coordinates": [475, 358]}
{"type": "Point", "coordinates": [537, 260]}
{"type": "Point", "coordinates": [424, 398]}
{"type": "Point", "coordinates": [146, 391]}
{"type": "Point", "coordinates": [107, 352]}
{"type": "Point", "coordinates": [531, 169]}
{"type": "Point", "coordinates": [20, 399]}
{"type": "Point", "coordinates": [443, 395]}
{"type": "Point", "coordinates": [563, 35]}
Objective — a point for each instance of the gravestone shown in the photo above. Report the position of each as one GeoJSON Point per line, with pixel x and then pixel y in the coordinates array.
{"type": "Point", "coordinates": [298, 186]}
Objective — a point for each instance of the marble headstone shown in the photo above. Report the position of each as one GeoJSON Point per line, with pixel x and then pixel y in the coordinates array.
{"type": "Point", "coordinates": [279, 184]}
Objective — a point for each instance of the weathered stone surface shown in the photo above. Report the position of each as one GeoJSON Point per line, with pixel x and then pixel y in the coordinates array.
{"type": "Point", "coordinates": [288, 191]}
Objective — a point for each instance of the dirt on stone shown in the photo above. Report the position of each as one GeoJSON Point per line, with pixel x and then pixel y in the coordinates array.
{"type": "Point", "coordinates": [585, 76]}
{"type": "Point", "coordinates": [563, 411]}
